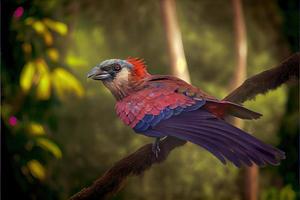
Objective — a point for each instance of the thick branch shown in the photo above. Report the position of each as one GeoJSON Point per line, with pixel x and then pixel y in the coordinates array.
{"type": "Point", "coordinates": [134, 164]}
{"type": "Point", "coordinates": [141, 160]}
{"type": "Point", "coordinates": [267, 80]}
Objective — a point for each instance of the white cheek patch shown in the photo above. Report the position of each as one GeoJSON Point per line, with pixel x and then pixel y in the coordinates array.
{"type": "Point", "coordinates": [119, 84]}
{"type": "Point", "coordinates": [122, 76]}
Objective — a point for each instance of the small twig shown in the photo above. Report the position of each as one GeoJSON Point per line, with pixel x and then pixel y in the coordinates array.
{"type": "Point", "coordinates": [141, 160]}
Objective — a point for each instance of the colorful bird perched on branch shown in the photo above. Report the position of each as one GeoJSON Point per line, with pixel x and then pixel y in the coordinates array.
{"type": "Point", "coordinates": [161, 105]}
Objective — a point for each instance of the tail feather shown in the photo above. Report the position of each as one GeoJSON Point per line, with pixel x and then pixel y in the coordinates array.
{"type": "Point", "coordinates": [242, 112]}
{"type": "Point", "coordinates": [223, 108]}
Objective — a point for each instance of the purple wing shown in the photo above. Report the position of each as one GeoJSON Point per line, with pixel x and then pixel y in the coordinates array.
{"type": "Point", "coordinates": [220, 138]}
{"type": "Point", "coordinates": [150, 120]}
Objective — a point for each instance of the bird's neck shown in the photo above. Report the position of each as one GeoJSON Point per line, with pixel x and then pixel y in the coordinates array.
{"type": "Point", "coordinates": [121, 90]}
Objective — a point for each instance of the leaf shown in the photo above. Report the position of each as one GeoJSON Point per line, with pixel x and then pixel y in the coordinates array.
{"type": "Point", "coordinates": [53, 54]}
{"type": "Point", "coordinates": [27, 75]}
{"type": "Point", "coordinates": [48, 39]}
{"type": "Point", "coordinates": [43, 90]}
{"type": "Point", "coordinates": [64, 82]}
{"type": "Point", "coordinates": [37, 169]}
{"type": "Point", "coordinates": [50, 146]}
{"type": "Point", "coordinates": [56, 26]}
{"type": "Point", "coordinates": [36, 129]}
{"type": "Point", "coordinates": [39, 27]}
{"type": "Point", "coordinates": [75, 61]}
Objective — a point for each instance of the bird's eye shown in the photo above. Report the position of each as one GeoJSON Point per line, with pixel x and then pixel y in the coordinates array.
{"type": "Point", "coordinates": [117, 67]}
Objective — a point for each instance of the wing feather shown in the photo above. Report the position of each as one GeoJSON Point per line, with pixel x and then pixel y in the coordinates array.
{"type": "Point", "coordinates": [220, 138]}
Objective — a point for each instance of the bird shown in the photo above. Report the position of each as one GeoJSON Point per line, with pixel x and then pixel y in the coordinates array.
{"type": "Point", "coordinates": [159, 106]}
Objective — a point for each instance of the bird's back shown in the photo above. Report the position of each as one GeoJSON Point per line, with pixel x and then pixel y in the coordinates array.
{"type": "Point", "coordinates": [167, 96]}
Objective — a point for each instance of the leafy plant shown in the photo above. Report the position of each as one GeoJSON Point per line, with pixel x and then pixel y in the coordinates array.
{"type": "Point", "coordinates": [37, 81]}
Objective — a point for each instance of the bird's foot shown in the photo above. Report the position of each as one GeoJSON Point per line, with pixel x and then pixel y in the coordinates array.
{"type": "Point", "coordinates": [155, 147]}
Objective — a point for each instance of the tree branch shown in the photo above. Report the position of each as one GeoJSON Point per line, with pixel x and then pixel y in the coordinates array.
{"type": "Point", "coordinates": [267, 80]}
{"type": "Point", "coordinates": [141, 160]}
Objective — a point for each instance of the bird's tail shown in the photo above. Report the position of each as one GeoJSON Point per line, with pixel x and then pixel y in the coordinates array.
{"type": "Point", "coordinates": [225, 108]}
{"type": "Point", "coordinates": [220, 138]}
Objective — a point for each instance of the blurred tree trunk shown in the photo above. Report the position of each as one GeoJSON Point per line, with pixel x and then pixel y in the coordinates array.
{"type": "Point", "coordinates": [177, 58]}
{"type": "Point", "coordinates": [250, 173]}
{"type": "Point", "coordinates": [174, 41]}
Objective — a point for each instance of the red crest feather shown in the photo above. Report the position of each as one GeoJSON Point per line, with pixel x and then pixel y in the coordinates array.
{"type": "Point", "coordinates": [139, 67]}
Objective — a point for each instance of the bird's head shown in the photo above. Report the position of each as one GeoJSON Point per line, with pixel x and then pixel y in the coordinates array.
{"type": "Point", "coordinates": [119, 75]}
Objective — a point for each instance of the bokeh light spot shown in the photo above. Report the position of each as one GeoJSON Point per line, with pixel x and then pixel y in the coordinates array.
{"type": "Point", "coordinates": [13, 121]}
{"type": "Point", "coordinates": [19, 12]}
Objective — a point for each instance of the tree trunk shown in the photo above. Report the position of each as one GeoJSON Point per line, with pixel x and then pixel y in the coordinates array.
{"type": "Point", "coordinates": [174, 41]}
{"type": "Point", "coordinates": [175, 48]}
{"type": "Point", "coordinates": [251, 173]}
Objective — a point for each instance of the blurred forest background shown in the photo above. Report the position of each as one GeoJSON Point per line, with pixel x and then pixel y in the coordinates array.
{"type": "Point", "coordinates": [60, 132]}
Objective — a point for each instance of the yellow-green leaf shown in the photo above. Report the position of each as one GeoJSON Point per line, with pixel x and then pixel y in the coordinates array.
{"type": "Point", "coordinates": [64, 82]}
{"type": "Point", "coordinates": [53, 54]}
{"type": "Point", "coordinates": [43, 90]}
{"type": "Point", "coordinates": [37, 169]}
{"type": "Point", "coordinates": [36, 129]}
{"type": "Point", "coordinates": [27, 75]}
{"type": "Point", "coordinates": [56, 26]}
{"type": "Point", "coordinates": [50, 146]}
{"type": "Point", "coordinates": [39, 27]}
{"type": "Point", "coordinates": [75, 61]}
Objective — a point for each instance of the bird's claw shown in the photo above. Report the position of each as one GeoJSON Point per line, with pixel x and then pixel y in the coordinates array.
{"type": "Point", "coordinates": [156, 150]}
{"type": "Point", "coordinates": [155, 147]}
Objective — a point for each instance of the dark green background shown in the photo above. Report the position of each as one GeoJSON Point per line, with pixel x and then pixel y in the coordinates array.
{"type": "Point", "coordinates": [87, 130]}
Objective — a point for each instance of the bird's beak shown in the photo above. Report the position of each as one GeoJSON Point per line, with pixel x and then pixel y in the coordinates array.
{"type": "Point", "coordinates": [97, 74]}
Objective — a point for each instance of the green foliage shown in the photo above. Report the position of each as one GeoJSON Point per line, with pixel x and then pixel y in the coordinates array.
{"type": "Point", "coordinates": [35, 71]}
{"type": "Point", "coordinates": [286, 193]}
{"type": "Point", "coordinates": [55, 43]}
